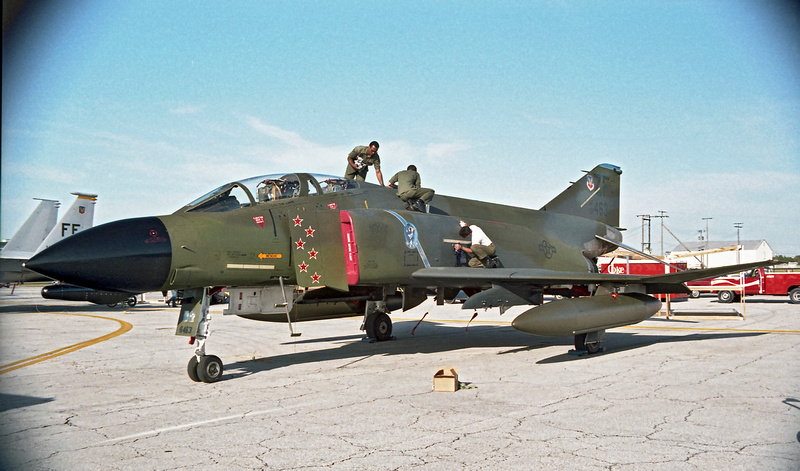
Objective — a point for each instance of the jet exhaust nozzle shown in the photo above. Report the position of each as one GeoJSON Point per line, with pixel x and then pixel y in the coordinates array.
{"type": "Point", "coordinates": [131, 255]}
{"type": "Point", "coordinates": [580, 315]}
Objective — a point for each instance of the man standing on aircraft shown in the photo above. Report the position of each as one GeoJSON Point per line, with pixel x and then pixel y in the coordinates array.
{"type": "Point", "coordinates": [482, 248]}
{"type": "Point", "coordinates": [409, 189]}
{"type": "Point", "coordinates": [359, 160]}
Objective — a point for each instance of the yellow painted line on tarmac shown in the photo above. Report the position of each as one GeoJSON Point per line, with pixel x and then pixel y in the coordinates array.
{"type": "Point", "coordinates": [713, 329]}
{"type": "Point", "coordinates": [124, 327]}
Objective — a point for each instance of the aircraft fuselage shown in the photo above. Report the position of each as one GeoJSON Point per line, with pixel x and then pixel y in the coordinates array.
{"type": "Point", "coordinates": [356, 236]}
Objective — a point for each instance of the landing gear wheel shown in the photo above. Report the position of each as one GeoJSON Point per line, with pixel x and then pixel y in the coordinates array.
{"type": "Point", "coordinates": [726, 297]}
{"type": "Point", "coordinates": [695, 294]}
{"type": "Point", "coordinates": [112, 305]}
{"type": "Point", "coordinates": [209, 370]}
{"type": "Point", "coordinates": [369, 327]}
{"type": "Point", "coordinates": [191, 368]}
{"type": "Point", "coordinates": [379, 327]}
{"type": "Point", "coordinates": [131, 301]}
{"type": "Point", "coordinates": [581, 345]}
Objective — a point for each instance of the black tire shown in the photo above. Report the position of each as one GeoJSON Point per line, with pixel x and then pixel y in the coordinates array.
{"type": "Point", "coordinates": [695, 294]}
{"type": "Point", "coordinates": [369, 326]}
{"type": "Point", "coordinates": [794, 296]}
{"type": "Point", "coordinates": [131, 301]}
{"type": "Point", "coordinates": [209, 370]}
{"type": "Point", "coordinates": [580, 341]}
{"type": "Point", "coordinates": [726, 297]}
{"type": "Point", "coordinates": [191, 368]}
{"type": "Point", "coordinates": [112, 305]}
{"type": "Point", "coordinates": [581, 345]}
{"type": "Point", "coordinates": [379, 327]}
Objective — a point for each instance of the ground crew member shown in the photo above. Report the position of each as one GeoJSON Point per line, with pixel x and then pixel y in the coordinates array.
{"type": "Point", "coordinates": [482, 247]}
{"type": "Point", "coordinates": [409, 188]}
{"type": "Point", "coordinates": [359, 160]}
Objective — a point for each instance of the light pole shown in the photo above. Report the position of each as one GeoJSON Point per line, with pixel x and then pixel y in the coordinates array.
{"type": "Point", "coordinates": [645, 232]}
{"type": "Point", "coordinates": [662, 216]}
{"type": "Point", "coordinates": [737, 225]}
{"type": "Point", "coordinates": [708, 246]}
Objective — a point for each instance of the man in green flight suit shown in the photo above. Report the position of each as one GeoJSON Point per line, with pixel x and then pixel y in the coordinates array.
{"type": "Point", "coordinates": [359, 160]}
{"type": "Point", "coordinates": [409, 189]}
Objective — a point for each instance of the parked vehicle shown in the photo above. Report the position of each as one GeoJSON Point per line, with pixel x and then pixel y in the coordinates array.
{"type": "Point", "coordinates": [758, 281]}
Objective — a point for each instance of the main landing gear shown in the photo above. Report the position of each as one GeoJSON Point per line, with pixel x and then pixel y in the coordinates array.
{"type": "Point", "coordinates": [377, 323]}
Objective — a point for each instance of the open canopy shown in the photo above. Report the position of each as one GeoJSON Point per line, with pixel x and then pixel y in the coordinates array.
{"type": "Point", "coordinates": [256, 190]}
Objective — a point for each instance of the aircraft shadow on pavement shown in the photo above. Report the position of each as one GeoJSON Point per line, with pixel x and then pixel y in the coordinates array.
{"type": "Point", "coordinates": [444, 338]}
{"type": "Point", "coordinates": [441, 338]}
{"type": "Point", "coordinates": [14, 401]}
{"type": "Point", "coordinates": [792, 402]}
{"type": "Point", "coordinates": [617, 342]}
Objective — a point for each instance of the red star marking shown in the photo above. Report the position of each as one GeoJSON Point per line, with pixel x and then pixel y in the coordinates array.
{"type": "Point", "coordinates": [315, 278]}
{"type": "Point", "coordinates": [303, 266]}
{"type": "Point", "coordinates": [297, 220]}
{"type": "Point", "coordinates": [310, 231]}
{"type": "Point", "coordinates": [313, 253]}
{"type": "Point", "coordinates": [300, 244]}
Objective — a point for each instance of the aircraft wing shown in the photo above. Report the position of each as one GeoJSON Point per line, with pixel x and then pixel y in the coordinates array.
{"type": "Point", "coordinates": [459, 276]}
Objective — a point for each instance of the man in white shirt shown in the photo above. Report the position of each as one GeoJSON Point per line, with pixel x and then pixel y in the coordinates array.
{"type": "Point", "coordinates": [482, 247]}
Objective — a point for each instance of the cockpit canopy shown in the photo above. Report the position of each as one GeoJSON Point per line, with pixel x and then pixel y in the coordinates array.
{"type": "Point", "coordinates": [257, 190]}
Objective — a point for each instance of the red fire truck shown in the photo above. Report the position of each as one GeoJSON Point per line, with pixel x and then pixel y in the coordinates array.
{"type": "Point", "coordinates": [644, 267]}
{"type": "Point", "coordinates": [757, 281]}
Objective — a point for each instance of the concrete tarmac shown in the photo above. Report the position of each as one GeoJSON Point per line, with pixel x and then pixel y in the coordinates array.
{"type": "Point", "coordinates": [92, 387]}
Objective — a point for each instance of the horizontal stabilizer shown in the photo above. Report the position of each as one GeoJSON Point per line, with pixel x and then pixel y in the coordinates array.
{"type": "Point", "coordinates": [690, 275]}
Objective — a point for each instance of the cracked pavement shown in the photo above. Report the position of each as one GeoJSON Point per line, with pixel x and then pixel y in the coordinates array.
{"type": "Point", "coordinates": [689, 393]}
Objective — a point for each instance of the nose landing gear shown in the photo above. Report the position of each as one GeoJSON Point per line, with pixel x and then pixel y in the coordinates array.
{"type": "Point", "coordinates": [194, 322]}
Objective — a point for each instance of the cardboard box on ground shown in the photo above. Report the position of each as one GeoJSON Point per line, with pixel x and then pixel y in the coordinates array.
{"type": "Point", "coordinates": [445, 379]}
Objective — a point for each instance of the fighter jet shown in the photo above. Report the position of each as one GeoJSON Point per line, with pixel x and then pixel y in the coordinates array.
{"type": "Point", "coordinates": [41, 231]}
{"type": "Point", "coordinates": [299, 247]}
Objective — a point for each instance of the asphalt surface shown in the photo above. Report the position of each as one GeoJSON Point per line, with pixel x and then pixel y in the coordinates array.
{"type": "Point", "coordinates": [92, 387]}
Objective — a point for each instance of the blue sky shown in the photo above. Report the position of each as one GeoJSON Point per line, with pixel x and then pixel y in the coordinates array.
{"type": "Point", "coordinates": [150, 104]}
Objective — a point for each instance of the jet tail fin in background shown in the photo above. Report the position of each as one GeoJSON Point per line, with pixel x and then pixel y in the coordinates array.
{"type": "Point", "coordinates": [78, 217]}
{"type": "Point", "coordinates": [33, 231]}
{"type": "Point", "coordinates": [595, 196]}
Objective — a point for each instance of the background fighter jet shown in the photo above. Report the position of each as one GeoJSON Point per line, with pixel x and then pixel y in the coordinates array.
{"type": "Point", "coordinates": [300, 247]}
{"type": "Point", "coordinates": [41, 231]}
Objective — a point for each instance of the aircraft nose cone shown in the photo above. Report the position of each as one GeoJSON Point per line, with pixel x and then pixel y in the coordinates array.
{"type": "Point", "coordinates": [131, 255]}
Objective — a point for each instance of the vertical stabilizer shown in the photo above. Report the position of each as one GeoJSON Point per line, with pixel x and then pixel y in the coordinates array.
{"type": "Point", "coordinates": [595, 196]}
{"type": "Point", "coordinates": [78, 217]}
{"type": "Point", "coordinates": [33, 232]}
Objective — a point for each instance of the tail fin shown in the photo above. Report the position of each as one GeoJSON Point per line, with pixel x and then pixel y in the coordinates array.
{"type": "Point", "coordinates": [78, 217]}
{"type": "Point", "coordinates": [595, 196]}
{"type": "Point", "coordinates": [33, 231]}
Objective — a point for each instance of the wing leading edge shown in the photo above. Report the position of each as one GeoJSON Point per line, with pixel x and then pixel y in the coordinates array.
{"type": "Point", "coordinates": [460, 277]}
